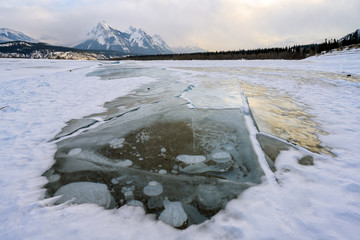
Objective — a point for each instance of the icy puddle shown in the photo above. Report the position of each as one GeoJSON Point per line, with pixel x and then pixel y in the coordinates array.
{"type": "Point", "coordinates": [180, 148]}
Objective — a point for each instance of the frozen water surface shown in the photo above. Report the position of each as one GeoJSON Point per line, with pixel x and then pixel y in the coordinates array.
{"type": "Point", "coordinates": [186, 138]}
{"type": "Point", "coordinates": [313, 103]}
{"type": "Point", "coordinates": [185, 142]}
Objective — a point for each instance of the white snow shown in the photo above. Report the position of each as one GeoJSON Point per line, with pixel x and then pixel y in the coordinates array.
{"type": "Point", "coordinates": [309, 202]}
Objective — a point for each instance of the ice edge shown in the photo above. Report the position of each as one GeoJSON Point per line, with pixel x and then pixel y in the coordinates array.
{"type": "Point", "coordinates": [251, 125]}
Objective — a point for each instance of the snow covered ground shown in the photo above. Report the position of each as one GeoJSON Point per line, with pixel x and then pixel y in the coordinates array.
{"type": "Point", "coordinates": [37, 98]}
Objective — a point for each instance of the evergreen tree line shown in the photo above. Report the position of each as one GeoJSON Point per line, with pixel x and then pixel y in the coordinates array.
{"type": "Point", "coordinates": [294, 52]}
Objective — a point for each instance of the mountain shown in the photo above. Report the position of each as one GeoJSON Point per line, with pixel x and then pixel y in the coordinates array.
{"type": "Point", "coordinates": [22, 49]}
{"type": "Point", "coordinates": [133, 41]}
{"type": "Point", "coordinates": [188, 49]}
{"type": "Point", "coordinates": [350, 38]}
{"type": "Point", "coordinates": [161, 44]}
{"type": "Point", "coordinates": [8, 35]}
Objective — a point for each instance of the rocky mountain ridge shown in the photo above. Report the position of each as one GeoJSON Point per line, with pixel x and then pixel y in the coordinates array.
{"type": "Point", "coordinates": [133, 41]}
{"type": "Point", "coordinates": [8, 35]}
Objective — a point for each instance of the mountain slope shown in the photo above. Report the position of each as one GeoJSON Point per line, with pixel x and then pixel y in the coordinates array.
{"type": "Point", "coordinates": [8, 35]}
{"type": "Point", "coordinates": [351, 38]}
{"type": "Point", "coordinates": [188, 49]}
{"type": "Point", "coordinates": [132, 41]}
{"type": "Point", "coordinates": [104, 37]}
{"type": "Point", "coordinates": [22, 49]}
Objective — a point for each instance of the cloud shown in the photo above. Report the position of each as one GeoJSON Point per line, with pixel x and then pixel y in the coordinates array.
{"type": "Point", "coordinates": [211, 24]}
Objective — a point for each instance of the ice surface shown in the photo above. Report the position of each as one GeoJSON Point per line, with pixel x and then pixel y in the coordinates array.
{"type": "Point", "coordinates": [85, 192]}
{"type": "Point", "coordinates": [191, 159]}
{"type": "Point", "coordinates": [74, 151]}
{"type": "Point", "coordinates": [209, 196]}
{"type": "Point", "coordinates": [221, 157]}
{"type": "Point", "coordinates": [153, 189]}
{"type": "Point", "coordinates": [173, 213]}
{"type": "Point", "coordinates": [42, 96]}
{"type": "Point", "coordinates": [74, 126]}
{"type": "Point", "coordinates": [135, 203]}
{"type": "Point", "coordinates": [117, 143]}
{"type": "Point", "coordinates": [161, 139]}
{"type": "Point", "coordinates": [148, 143]}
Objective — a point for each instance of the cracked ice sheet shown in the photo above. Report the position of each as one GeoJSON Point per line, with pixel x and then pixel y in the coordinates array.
{"type": "Point", "coordinates": [319, 202]}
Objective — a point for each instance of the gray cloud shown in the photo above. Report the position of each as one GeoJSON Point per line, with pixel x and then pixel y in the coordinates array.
{"type": "Point", "coordinates": [211, 24]}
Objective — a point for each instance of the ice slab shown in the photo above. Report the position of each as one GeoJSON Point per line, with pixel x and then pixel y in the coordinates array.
{"type": "Point", "coordinates": [218, 160]}
{"type": "Point", "coordinates": [85, 192]}
{"type": "Point", "coordinates": [153, 188]}
{"type": "Point", "coordinates": [272, 147]}
{"type": "Point", "coordinates": [173, 214]}
{"type": "Point", "coordinates": [214, 94]}
{"type": "Point", "coordinates": [191, 159]}
{"type": "Point", "coordinates": [152, 147]}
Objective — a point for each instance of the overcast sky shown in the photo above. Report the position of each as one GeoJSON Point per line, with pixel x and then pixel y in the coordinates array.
{"type": "Point", "coordinates": [210, 24]}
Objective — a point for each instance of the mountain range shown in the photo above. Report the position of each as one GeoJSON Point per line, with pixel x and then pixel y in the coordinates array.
{"type": "Point", "coordinates": [9, 35]}
{"type": "Point", "coordinates": [106, 42]}
{"type": "Point", "coordinates": [188, 49]}
{"type": "Point", "coordinates": [22, 49]}
{"type": "Point", "coordinates": [104, 37]}
{"type": "Point", "coordinates": [132, 41]}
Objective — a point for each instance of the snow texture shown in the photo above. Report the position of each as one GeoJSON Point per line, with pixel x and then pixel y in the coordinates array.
{"type": "Point", "coordinates": [309, 202]}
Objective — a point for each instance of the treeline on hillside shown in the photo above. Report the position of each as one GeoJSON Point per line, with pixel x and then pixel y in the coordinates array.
{"type": "Point", "coordinates": [295, 52]}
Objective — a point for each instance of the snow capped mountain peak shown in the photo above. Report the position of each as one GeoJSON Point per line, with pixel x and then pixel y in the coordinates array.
{"type": "Point", "coordinates": [104, 25]}
{"type": "Point", "coordinates": [101, 29]}
{"type": "Point", "coordinates": [133, 40]}
{"type": "Point", "coordinates": [137, 38]}
{"type": "Point", "coordinates": [9, 35]}
{"type": "Point", "coordinates": [103, 36]}
{"type": "Point", "coordinates": [130, 30]}
{"type": "Point", "coordinates": [160, 42]}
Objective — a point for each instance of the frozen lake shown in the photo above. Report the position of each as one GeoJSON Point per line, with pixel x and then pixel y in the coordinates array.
{"type": "Point", "coordinates": [233, 149]}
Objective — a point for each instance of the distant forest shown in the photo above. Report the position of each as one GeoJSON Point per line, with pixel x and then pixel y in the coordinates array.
{"type": "Point", "coordinates": [295, 52]}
